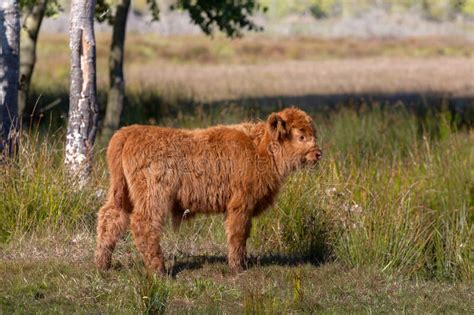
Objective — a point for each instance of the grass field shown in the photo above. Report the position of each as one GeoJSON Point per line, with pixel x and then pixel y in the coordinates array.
{"type": "Point", "coordinates": [197, 69]}
{"type": "Point", "coordinates": [167, 79]}
{"type": "Point", "coordinates": [62, 287]}
{"type": "Point", "coordinates": [383, 225]}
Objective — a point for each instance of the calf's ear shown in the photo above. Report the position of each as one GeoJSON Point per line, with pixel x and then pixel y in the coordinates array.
{"type": "Point", "coordinates": [277, 126]}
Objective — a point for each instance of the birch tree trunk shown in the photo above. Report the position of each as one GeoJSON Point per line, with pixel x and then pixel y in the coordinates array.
{"type": "Point", "coordinates": [116, 78]}
{"type": "Point", "coordinates": [83, 109]}
{"type": "Point", "coordinates": [33, 16]}
{"type": "Point", "coordinates": [9, 68]}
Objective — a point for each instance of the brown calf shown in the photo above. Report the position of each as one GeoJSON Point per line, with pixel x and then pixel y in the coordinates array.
{"type": "Point", "coordinates": [236, 170]}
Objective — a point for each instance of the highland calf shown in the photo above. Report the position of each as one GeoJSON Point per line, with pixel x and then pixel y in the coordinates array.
{"type": "Point", "coordinates": [236, 170]}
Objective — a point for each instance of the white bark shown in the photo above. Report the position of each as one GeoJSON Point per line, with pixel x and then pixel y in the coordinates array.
{"type": "Point", "coordinates": [83, 109]}
{"type": "Point", "coordinates": [9, 70]}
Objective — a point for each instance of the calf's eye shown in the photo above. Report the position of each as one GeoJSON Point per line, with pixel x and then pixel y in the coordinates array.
{"type": "Point", "coordinates": [301, 138]}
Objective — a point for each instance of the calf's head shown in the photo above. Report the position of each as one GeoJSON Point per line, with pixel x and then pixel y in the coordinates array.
{"type": "Point", "coordinates": [292, 139]}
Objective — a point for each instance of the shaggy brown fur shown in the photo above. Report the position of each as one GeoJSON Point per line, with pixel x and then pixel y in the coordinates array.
{"type": "Point", "coordinates": [236, 170]}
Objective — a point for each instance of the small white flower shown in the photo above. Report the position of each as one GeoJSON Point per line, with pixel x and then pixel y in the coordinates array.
{"type": "Point", "coordinates": [355, 209]}
{"type": "Point", "coordinates": [78, 238]}
{"type": "Point", "coordinates": [100, 193]}
{"type": "Point", "coordinates": [331, 191]}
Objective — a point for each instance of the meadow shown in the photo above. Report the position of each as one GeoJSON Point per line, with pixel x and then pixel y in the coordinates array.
{"type": "Point", "coordinates": [383, 224]}
{"type": "Point", "coordinates": [167, 75]}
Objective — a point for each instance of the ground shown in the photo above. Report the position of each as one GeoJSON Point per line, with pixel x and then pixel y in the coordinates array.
{"type": "Point", "coordinates": [43, 276]}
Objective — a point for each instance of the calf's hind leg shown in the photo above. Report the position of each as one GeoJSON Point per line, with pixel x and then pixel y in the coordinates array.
{"type": "Point", "coordinates": [111, 224]}
{"type": "Point", "coordinates": [147, 222]}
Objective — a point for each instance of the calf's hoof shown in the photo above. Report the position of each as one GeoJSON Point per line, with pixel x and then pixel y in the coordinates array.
{"type": "Point", "coordinates": [103, 262]}
{"type": "Point", "coordinates": [238, 266]}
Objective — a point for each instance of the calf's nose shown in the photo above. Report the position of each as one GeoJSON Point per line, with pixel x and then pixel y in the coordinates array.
{"type": "Point", "coordinates": [319, 153]}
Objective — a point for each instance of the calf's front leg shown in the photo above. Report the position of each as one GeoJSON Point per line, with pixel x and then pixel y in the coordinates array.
{"type": "Point", "coordinates": [237, 225]}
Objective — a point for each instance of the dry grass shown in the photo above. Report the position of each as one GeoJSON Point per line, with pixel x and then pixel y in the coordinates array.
{"type": "Point", "coordinates": [253, 49]}
{"type": "Point", "coordinates": [440, 75]}
{"type": "Point", "coordinates": [262, 49]}
{"type": "Point", "coordinates": [219, 69]}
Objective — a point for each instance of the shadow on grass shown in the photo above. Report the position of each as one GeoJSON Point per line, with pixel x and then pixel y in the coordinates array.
{"type": "Point", "coordinates": [197, 262]}
{"type": "Point", "coordinates": [150, 107]}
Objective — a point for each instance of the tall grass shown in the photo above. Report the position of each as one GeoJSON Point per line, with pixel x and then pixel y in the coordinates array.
{"type": "Point", "coordinates": [392, 192]}
{"type": "Point", "coordinates": [386, 194]}
{"type": "Point", "coordinates": [36, 193]}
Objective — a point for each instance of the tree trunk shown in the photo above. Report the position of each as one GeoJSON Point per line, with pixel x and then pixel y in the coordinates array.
{"type": "Point", "coordinates": [9, 69]}
{"type": "Point", "coordinates": [83, 109]}
{"type": "Point", "coordinates": [116, 79]}
{"type": "Point", "coordinates": [33, 16]}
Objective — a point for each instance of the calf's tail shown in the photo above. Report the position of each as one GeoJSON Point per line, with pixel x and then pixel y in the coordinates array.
{"type": "Point", "coordinates": [118, 183]}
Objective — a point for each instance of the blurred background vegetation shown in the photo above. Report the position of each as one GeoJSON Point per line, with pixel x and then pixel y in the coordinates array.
{"type": "Point", "coordinates": [436, 9]}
